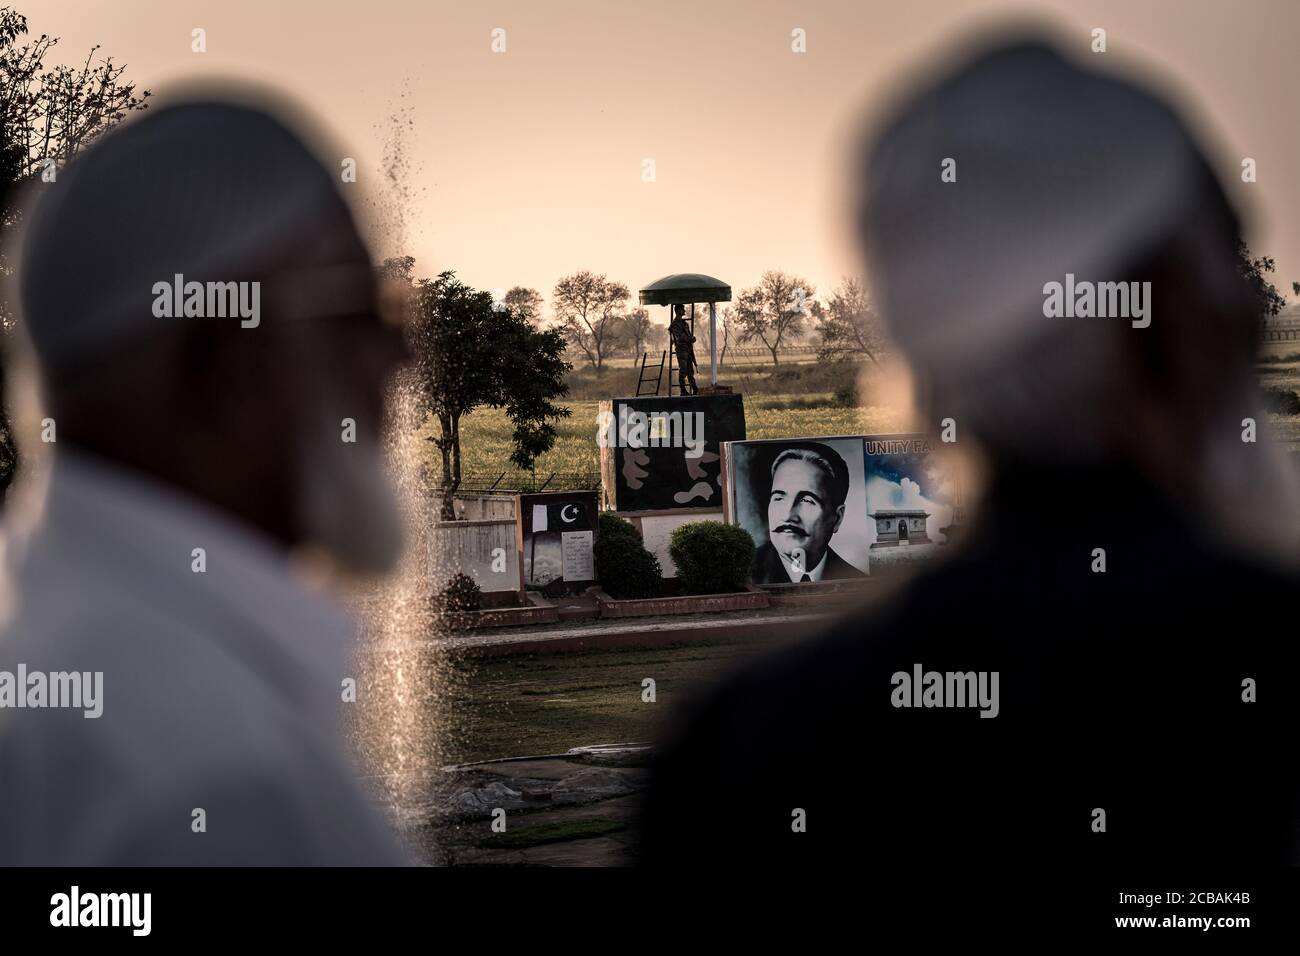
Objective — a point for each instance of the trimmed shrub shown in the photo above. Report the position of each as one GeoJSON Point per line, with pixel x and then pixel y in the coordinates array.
{"type": "Point", "coordinates": [623, 565]}
{"type": "Point", "coordinates": [1282, 401]}
{"type": "Point", "coordinates": [611, 525]}
{"type": "Point", "coordinates": [712, 557]}
{"type": "Point", "coordinates": [462, 593]}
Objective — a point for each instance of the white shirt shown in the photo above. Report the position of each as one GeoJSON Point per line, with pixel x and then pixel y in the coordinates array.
{"type": "Point", "coordinates": [222, 691]}
{"type": "Point", "coordinates": [797, 575]}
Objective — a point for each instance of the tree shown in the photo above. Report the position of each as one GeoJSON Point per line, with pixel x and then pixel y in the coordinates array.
{"type": "Point", "coordinates": [849, 326]}
{"type": "Point", "coordinates": [635, 331]}
{"type": "Point", "coordinates": [588, 308]}
{"type": "Point", "coordinates": [397, 269]}
{"type": "Point", "coordinates": [470, 354]}
{"type": "Point", "coordinates": [1268, 301]}
{"type": "Point", "coordinates": [727, 324]}
{"type": "Point", "coordinates": [774, 310]}
{"type": "Point", "coordinates": [51, 115]}
{"type": "Point", "coordinates": [657, 337]}
{"type": "Point", "coordinates": [47, 116]}
{"type": "Point", "coordinates": [396, 282]}
{"type": "Point", "coordinates": [1295, 288]}
{"type": "Point", "coordinates": [525, 303]}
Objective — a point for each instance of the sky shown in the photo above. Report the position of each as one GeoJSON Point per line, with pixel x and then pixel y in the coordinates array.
{"type": "Point", "coordinates": [518, 167]}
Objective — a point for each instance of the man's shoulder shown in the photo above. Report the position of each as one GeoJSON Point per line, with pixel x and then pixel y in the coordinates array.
{"type": "Point", "coordinates": [837, 567]}
{"type": "Point", "coordinates": [768, 567]}
{"type": "Point", "coordinates": [182, 723]}
{"type": "Point", "coordinates": [169, 683]}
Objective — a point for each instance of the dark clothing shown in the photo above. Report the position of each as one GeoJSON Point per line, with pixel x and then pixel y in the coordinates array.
{"type": "Point", "coordinates": [770, 569]}
{"type": "Point", "coordinates": [1119, 690]}
{"type": "Point", "coordinates": [682, 337]}
{"type": "Point", "coordinates": [683, 341]}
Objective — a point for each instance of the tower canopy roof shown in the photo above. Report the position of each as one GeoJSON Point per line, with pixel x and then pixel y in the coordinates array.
{"type": "Point", "coordinates": [685, 287]}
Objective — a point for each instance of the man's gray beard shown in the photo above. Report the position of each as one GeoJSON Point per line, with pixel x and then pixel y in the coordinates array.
{"type": "Point", "coordinates": [346, 503]}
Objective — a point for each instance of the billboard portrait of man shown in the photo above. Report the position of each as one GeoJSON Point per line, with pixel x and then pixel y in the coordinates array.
{"type": "Point", "coordinates": [807, 491]}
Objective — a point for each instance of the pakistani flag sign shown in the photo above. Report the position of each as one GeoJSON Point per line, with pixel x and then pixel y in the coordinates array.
{"type": "Point", "coordinates": [557, 538]}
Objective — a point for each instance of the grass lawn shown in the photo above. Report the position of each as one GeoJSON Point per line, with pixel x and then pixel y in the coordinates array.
{"type": "Point", "coordinates": [1282, 370]}
{"type": "Point", "coordinates": [545, 704]}
{"type": "Point", "coordinates": [485, 434]}
{"type": "Point", "coordinates": [557, 832]}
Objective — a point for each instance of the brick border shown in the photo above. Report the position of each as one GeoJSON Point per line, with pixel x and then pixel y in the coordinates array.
{"type": "Point", "coordinates": [751, 598]}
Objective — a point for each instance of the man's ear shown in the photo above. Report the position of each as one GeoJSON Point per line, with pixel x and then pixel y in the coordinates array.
{"type": "Point", "coordinates": [839, 516]}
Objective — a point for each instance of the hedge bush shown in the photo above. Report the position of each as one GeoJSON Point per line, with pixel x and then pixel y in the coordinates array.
{"type": "Point", "coordinates": [623, 565]}
{"type": "Point", "coordinates": [462, 593]}
{"type": "Point", "coordinates": [712, 557]}
{"type": "Point", "coordinates": [1282, 401]}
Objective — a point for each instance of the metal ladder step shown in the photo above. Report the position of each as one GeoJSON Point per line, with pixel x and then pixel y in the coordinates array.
{"type": "Point", "coordinates": [644, 379]}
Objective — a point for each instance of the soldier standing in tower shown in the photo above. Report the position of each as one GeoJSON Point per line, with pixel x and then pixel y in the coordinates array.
{"type": "Point", "coordinates": [683, 346]}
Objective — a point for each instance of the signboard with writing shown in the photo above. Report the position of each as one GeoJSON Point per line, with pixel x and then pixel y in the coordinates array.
{"type": "Point", "coordinates": [557, 537]}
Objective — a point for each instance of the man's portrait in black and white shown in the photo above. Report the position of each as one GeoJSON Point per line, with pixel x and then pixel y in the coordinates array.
{"type": "Point", "coordinates": [804, 504]}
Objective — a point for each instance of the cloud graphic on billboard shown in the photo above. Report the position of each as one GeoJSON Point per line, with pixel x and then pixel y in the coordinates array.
{"type": "Point", "coordinates": [905, 495]}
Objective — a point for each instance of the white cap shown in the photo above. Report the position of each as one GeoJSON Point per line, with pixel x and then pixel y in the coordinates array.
{"type": "Point", "coordinates": [1058, 170]}
{"type": "Point", "coordinates": [209, 190]}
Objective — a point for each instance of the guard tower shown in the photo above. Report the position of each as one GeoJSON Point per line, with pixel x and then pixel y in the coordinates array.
{"type": "Point", "coordinates": [683, 288]}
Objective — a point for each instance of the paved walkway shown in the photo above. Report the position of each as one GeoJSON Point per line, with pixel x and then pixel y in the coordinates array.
{"type": "Point", "coordinates": [645, 631]}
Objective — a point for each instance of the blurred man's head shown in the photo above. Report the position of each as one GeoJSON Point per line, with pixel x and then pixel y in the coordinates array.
{"type": "Point", "coordinates": [805, 504]}
{"type": "Point", "coordinates": [1022, 169]}
{"type": "Point", "coordinates": [141, 267]}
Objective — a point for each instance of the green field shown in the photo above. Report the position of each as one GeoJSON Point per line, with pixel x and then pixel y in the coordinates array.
{"type": "Point", "coordinates": [545, 704]}
{"type": "Point", "coordinates": [485, 434]}
{"type": "Point", "coordinates": [1281, 369]}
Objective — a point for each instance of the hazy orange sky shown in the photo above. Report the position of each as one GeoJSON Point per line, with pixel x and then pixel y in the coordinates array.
{"type": "Point", "coordinates": [522, 166]}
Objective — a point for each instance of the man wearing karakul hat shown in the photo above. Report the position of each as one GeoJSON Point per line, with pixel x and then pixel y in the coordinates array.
{"type": "Point", "coordinates": [1125, 556]}
{"type": "Point", "coordinates": [197, 457]}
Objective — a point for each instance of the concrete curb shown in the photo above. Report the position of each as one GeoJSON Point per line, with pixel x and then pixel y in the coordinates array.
{"type": "Point", "coordinates": [750, 599]}
{"type": "Point", "coordinates": [648, 634]}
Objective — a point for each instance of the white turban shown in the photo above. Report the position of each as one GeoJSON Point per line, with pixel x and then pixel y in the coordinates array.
{"type": "Point", "coordinates": [1059, 170]}
{"type": "Point", "coordinates": [212, 191]}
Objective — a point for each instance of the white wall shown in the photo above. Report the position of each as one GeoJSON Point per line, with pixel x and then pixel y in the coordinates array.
{"type": "Point", "coordinates": [470, 547]}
